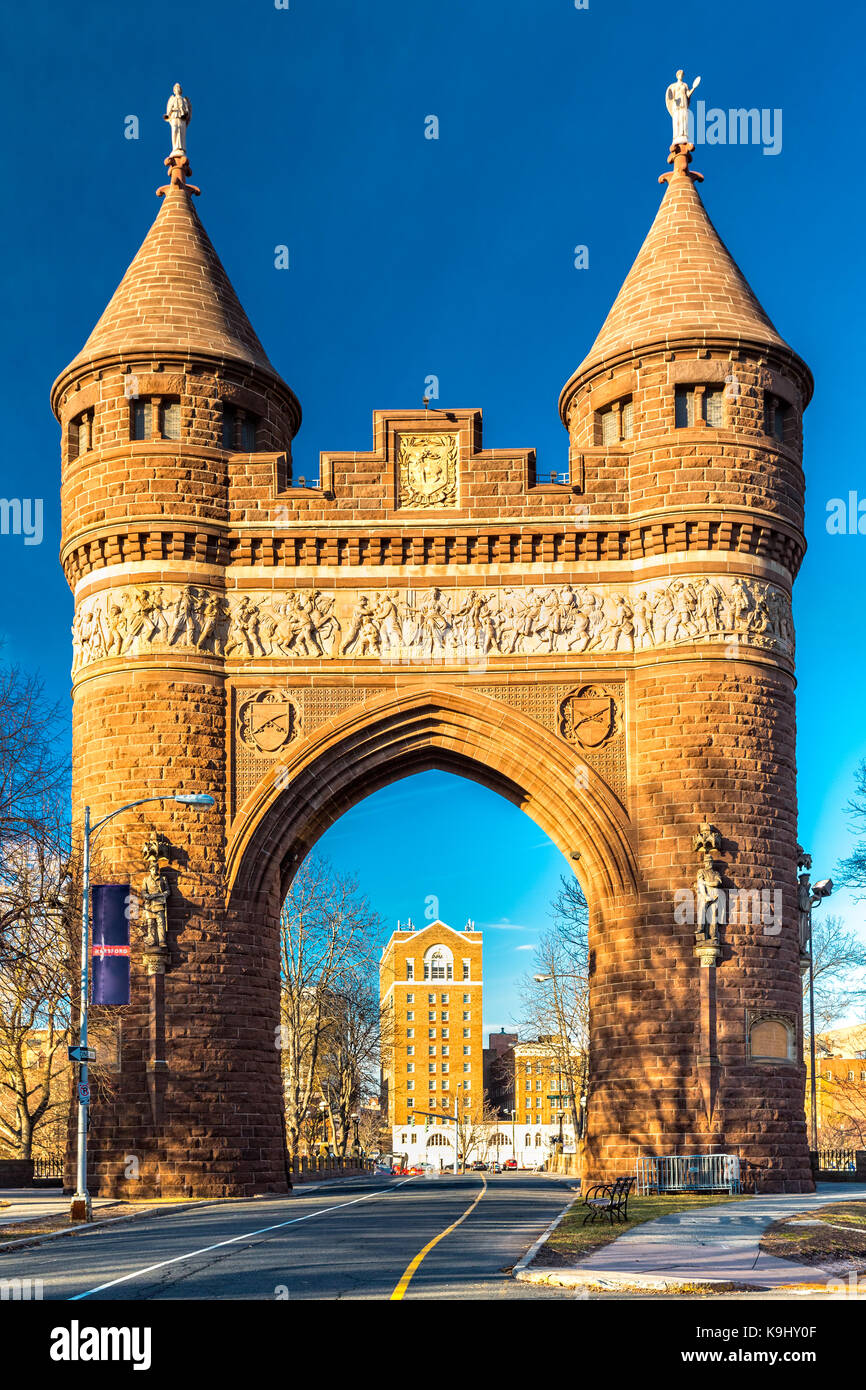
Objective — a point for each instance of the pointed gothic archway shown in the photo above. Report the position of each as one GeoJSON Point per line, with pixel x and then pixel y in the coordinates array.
{"type": "Point", "coordinates": [395, 734]}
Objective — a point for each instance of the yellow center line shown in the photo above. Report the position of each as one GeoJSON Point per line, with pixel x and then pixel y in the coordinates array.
{"type": "Point", "coordinates": [422, 1254]}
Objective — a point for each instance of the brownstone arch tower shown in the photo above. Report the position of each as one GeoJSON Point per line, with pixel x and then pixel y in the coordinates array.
{"type": "Point", "coordinates": [609, 647]}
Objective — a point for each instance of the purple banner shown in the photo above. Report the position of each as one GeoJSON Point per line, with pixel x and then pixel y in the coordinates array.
{"type": "Point", "coordinates": [110, 950]}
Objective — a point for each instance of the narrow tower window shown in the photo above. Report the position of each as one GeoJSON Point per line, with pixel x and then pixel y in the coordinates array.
{"type": "Point", "coordinates": [230, 421]}
{"type": "Point", "coordinates": [777, 418]}
{"type": "Point", "coordinates": [615, 421]}
{"type": "Point", "coordinates": [169, 419]}
{"type": "Point", "coordinates": [249, 430]}
{"type": "Point", "coordinates": [142, 419]}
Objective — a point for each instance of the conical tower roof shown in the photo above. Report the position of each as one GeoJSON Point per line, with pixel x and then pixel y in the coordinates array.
{"type": "Point", "coordinates": [175, 298]}
{"type": "Point", "coordinates": [683, 285]}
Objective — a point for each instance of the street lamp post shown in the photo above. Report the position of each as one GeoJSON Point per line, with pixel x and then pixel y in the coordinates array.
{"type": "Point", "coordinates": [810, 896]}
{"type": "Point", "coordinates": [80, 1208]}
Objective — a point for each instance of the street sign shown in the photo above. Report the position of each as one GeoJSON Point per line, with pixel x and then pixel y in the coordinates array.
{"type": "Point", "coordinates": [83, 1092]}
{"type": "Point", "coordinates": [81, 1054]}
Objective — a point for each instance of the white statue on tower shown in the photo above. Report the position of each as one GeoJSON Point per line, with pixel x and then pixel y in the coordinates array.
{"type": "Point", "coordinates": [677, 103]}
{"type": "Point", "coordinates": [178, 113]}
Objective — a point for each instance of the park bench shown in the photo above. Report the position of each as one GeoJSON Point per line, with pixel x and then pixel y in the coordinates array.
{"type": "Point", "coordinates": [608, 1199]}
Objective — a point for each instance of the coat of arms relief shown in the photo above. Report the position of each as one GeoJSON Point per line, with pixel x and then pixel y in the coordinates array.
{"type": "Point", "coordinates": [428, 470]}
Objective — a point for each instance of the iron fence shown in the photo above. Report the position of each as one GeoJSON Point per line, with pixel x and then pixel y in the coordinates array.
{"type": "Point", "coordinates": [689, 1173]}
{"type": "Point", "coordinates": [837, 1160]}
{"type": "Point", "coordinates": [48, 1167]}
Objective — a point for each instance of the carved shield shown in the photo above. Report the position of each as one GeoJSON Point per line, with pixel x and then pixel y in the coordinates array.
{"type": "Point", "coordinates": [588, 719]}
{"type": "Point", "coordinates": [271, 725]}
{"type": "Point", "coordinates": [267, 722]}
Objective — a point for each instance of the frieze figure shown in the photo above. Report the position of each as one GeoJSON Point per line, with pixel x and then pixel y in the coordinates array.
{"type": "Point", "coordinates": [436, 625]}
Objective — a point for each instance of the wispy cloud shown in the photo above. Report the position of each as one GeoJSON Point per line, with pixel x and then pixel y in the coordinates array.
{"type": "Point", "coordinates": [528, 947]}
{"type": "Point", "coordinates": [505, 925]}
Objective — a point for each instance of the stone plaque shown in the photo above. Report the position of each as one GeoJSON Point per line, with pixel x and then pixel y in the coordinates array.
{"type": "Point", "coordinates": [428, 470]}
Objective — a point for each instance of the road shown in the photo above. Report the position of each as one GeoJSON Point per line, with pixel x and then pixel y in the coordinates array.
{"type": "Point", "coordinates": [377, 1238]}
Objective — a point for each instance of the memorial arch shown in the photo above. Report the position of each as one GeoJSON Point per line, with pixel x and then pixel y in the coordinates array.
{"type": "Point", "coordinates": [609, 646]}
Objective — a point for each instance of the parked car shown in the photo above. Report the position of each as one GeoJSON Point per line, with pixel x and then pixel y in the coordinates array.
{"type": "Point", "coordinates": [511, 1163]}
{"type": "Point", "coordinates": [496, 1167]}
{"type": "Point", "coordinates": [478, 1166]}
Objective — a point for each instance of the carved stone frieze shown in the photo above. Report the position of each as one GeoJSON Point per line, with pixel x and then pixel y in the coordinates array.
{"type": "Point", "coordinates": [433, 625]}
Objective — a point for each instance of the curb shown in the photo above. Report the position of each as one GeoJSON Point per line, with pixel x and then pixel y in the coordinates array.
{"type": "Point", "coordinates": [520, 1270]}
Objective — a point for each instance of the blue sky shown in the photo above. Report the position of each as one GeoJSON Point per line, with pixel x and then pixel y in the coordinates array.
{"type": "Point", "coordinates": [452, 257]}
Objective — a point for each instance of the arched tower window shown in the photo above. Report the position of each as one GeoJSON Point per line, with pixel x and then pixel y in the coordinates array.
{"type": "Point", "coordinates": [438, 964]}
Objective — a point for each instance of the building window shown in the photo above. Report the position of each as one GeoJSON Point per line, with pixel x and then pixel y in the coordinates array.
{"type": "Point", "coordinates": [249, 431]}
{"type": "Point", "coordinates": [410, 1032]}
{"type": "Point", "coordinates": [410, 999]}
{"type": "Point", "coordinates": [467, 1051]}
{"type": "Point", "coordinates": [445, 1084]}
{"type": "Point", "coordinates": [431, 1051]}
{"type": "Point", "coordinates": [467, 998]}
{"type": "Point", "coordinates": [431, 1032]}
{"type": "Point", "coordinates": [445, 1068]}
{"type": "Point", "coordinates": [445, 1051]}
{"type": "Point", "coordinates": [466, 966]}
{"type": "Point", "coordinates": [80, 436]}
{"type": "Point", "coordinates": [713, 398]}
{"type": "Point", "coordinates": [615, 421]}
{"type": "Point", "coordinates": [142, 419]}
{"type": "Point", "coordinates": [410, 970]}
{"type": "Point", "coordinates": [410, 1066]}
{"type": "Point", "coordinates": [698, 404]}
{"type": "Point", "coordinates": [431, 1067]}
{"type": "Point", "coordinates": [466, 1032]}
{"type": "Point", "coordinates": [230, 427]}
{"type": "Point", "coordinates": [467, 1066]}
{"type": "Point", "coordinates": [431, 1017]}
{"type": "Point", "coordinates": [410, 1013]}
{"type": "Point", "coordinates": [444, 1015]}
{"type": "Point", "coordinates": [169, 419]}
{"type": "Point", "coordinates": [409, 1103]}
{"type": "Point", "coordinates": [410, 1051]}
{"type": "Point", "coordinates": [410, 1085]}
{"type": "Point", "coordinates": [466, 1015]}
{"type": "Point", "coordinates": [537, 1135]}
{"type": "Point", "coordinates": [438, 965]}
{"type": "Point", "coordinates": [777, 418]}
{"type": "Point", "coordinates": [443, 998]}
{"type": "Point", "coordinates": [445, 1033]}
{"type": "Point", "coordinates": [431, 1085]}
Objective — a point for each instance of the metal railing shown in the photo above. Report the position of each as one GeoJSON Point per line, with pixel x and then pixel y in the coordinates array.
{"type": "Point", "coordinates": [837, 1160]}
{"type": "Point", "coordinates": [688, 1173]}
{"type": "Point", "coordinates": [48, 1167]}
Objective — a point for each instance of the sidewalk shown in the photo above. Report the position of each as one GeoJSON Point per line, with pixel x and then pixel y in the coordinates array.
{"type": "Point", "coordinates": [710, 1245]}
{"type": "Point", "coordinates": [37, 1204]}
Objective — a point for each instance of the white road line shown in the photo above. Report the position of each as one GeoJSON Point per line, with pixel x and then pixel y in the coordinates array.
{"type": "Point", "coordinates": [248, 1235]}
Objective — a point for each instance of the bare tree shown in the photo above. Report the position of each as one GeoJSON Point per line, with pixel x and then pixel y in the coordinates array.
{"type": "Point", "coordinates": [33, 769]}
{"type": "Point", "coordinates": [35, 992]}
{"type": "Point", "coordinates": [555, 1000]}
{"type": "Point", "coordinates": [838, 965]}
{"type": "Point", "coordinates": [327, 948]}
{"type": "Point", "coordinates": [475, 1119]}
{"type": "Point", "coordinates": [350, 1054]}
{"type": "Point", "coordinates": [852, 871]}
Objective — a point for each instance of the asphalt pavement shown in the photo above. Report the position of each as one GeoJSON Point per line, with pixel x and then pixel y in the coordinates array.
{"type": "Point", "coordinates": [376, 1238]}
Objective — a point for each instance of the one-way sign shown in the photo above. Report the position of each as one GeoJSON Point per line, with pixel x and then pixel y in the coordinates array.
{"type": "Point", "coordinates": [82, 1054]}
